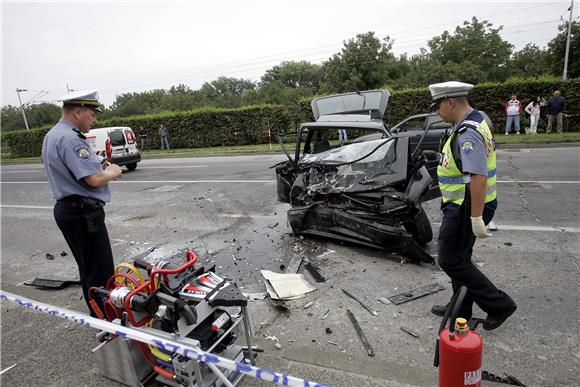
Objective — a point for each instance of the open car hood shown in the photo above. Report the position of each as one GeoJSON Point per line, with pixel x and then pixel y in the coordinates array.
{"type": "Point", "coordinates": [370, 102]}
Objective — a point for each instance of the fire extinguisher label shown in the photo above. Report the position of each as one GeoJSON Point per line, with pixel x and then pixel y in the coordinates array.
{"type": "Point", "coordinates": [472, 377]}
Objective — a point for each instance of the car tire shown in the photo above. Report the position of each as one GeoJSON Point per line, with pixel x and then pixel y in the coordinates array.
{"type": "Point", "coordinates": [131, 167]}
{"type": "Point", "coordinates": [420, 228]}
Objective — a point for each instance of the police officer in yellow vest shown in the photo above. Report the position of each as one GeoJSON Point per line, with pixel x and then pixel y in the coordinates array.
{"type": "Point", "coordinates": [467, 176]}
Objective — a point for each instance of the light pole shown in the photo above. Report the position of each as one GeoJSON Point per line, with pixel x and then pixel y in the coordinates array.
{"type": "Point", "coordinates": [22, 108]}
{"type": "Point", "coordinates": [565, 74]}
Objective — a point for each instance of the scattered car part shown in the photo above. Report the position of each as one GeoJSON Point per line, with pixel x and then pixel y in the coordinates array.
{"type": "Point", "coordinates": [51, 283]}
{"type": "Point", "coordinates": [314, 272]}
{"type": "Point", "coordinates": [368, 308]}
{"type": "Point", "coordinates": [415, 293]}
{"type": "Point", "coordinates": [360, 333]}
{"type": "Point", "coordinates": [410, 332]}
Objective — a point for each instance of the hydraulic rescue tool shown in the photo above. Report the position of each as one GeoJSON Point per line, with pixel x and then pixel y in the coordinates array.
{"type": "Point", "coordinates": [190, 305]}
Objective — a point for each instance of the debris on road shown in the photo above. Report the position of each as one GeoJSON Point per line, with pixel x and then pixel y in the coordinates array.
{"type": "Point", "coordinates": [384, 300]}
{"type": "Point", "coordinates": [51, 283]}
{"type": "Point", "coordinates": [63, 254]}
{"type": "Point", "coordinates": [49, 256]}
{"type": "Point", "coordinates": [360, 334]}
{"type": "Point", "coordinates": [508, 244]}
{"type": "Point", "coordinates": [294, 264]}
{"type": "Point", "coordinates": [368, 308]}
{"type": "Point", "coordinates": [308, 305]}
{"type": "Point", "coordinates": [286, 286]}
{"type": "Point", "coordinates": [325, 315]}
{"type": "Point", "coordinates": [415, 293]}
{"type": "Point", "coordinates": [407, 330]}
{"type": "Point", "coordinates": [314, 272]}
{"type": "Point", "coordinates": [328, 330]}
{"type": "Point", "coordinates": [273, 225]}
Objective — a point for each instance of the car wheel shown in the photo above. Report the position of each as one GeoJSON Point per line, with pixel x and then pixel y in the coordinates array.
{"type": "Point", "coordinates": [420, 228]}
{"type": "Point", "coordinates": [132, 166]}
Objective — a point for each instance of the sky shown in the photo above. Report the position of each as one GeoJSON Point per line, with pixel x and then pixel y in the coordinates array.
{"type": "Point", "coordinates": [132, 46]}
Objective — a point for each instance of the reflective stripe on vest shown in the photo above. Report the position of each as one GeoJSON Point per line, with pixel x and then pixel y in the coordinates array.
{"type": "Point", "coordinates": [452, 181]}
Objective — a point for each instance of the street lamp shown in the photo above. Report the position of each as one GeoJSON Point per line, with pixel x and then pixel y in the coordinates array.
{"type": "Point", "coordinates": [22, 108]}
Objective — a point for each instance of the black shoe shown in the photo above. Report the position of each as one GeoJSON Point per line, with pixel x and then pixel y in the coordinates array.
{"type": "Point", "coordinates": [493, 322]}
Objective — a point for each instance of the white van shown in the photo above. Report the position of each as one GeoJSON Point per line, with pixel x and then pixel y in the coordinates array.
{"type": "Point", "coordinates": [117, 144]}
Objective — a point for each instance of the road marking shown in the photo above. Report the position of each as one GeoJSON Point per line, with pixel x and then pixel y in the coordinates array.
{"type": "Point", "coordinates": [530, 228]}
{"type": "Point", "coordinates": [27, 171]}
{"type": "Point", "coordinates": [30, 207]}
{"type": "Point", "coordinates": [247, 216]}
{"type": "Point", "coordinates": [158, 181]}
{"type": "Point", "coordinates": [274, 181]}
{"type": "Point", "coordinates": [176, 167]}
{"type": "Point", "coordinates": [539, 181]}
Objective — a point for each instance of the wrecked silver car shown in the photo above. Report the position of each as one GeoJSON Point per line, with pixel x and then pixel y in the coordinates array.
{"type": "Point", "coordinates": [364, 192]}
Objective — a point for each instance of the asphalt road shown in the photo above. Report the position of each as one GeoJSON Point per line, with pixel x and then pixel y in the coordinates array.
{"type": "Point", "coordinates": [226, 208]}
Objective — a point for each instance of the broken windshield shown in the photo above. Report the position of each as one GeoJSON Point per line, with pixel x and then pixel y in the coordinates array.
{"type": "Point", "coordinates": [356, 167]}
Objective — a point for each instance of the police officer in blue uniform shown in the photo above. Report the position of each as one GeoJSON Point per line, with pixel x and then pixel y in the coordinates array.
{"type": "Point", "coordinates": [79, 184]}
{"type": "Point", "coordinates": [467, 177]}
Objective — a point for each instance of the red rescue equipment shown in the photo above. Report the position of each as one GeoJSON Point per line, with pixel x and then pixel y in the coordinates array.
{"type": "Point", "coordinates": [459, 350]}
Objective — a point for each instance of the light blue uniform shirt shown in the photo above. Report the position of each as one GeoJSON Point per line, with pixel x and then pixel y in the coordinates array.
{"type": "Point", "coordinates": [471, 146]}
{"type": "Point", "coordinates": [68, 158]}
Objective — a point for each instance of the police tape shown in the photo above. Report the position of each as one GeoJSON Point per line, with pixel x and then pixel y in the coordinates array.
{"type": "Point", "coordinates": [192, 353]}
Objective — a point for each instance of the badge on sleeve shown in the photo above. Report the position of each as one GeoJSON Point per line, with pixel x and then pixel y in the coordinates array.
{"type": "Point", "coordinates": [82, 151]}
{"type": "Point", "coordinates": [467, 147]}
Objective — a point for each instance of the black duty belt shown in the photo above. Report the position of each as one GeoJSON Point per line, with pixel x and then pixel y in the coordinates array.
{"type": "Point", "coordinates": [76, 201]}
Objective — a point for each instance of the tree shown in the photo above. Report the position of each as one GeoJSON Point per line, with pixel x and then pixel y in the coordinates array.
{"type": "Point", "coordinates": [530, 61]}
{"type": "Point", "coordinates": [361, 65]}
{"type": "Point", "coordinates": [557, 50]}
{"type": "Point", "coordinates": [295, 75]}
{"type": "Point", "coordinates": [477, 43]}
{"type": "Point", "coordinates": [37, 115]}
{"type": "Point", "coordinates": [226, 91]}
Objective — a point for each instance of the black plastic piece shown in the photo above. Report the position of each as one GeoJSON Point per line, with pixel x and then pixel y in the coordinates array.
{"type": "Point", "coordinates": [229, 295]}
{"type": "Point", "coordinates": [51, 283]}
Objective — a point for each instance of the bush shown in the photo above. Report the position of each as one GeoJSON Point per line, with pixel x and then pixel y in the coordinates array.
{"type": "Point", "coordinates": [191, 129]}
{"type": "Point", "coordinates": [489, 97]}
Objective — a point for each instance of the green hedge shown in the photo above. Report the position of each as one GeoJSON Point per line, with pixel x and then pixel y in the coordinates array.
{"type": "Point", "coordinates": [488, 97]}
{"type": "Point", "coordinates": [192, 129]}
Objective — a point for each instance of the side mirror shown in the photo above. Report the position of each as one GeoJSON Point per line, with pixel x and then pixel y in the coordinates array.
{"type": "Point", "coordinates": [431, 156]}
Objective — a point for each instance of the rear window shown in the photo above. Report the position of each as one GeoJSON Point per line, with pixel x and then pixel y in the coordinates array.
{"type": "Point", "coordinates": [117, 138]}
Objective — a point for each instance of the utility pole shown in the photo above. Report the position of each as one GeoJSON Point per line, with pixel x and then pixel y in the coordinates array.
{"type": "Point", "coordinates": [565, 73]}
{"type": "Point", "coordinates": [22, 108]}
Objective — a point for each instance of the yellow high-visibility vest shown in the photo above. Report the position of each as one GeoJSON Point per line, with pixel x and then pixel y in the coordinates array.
{"type": "Point", "coordinates": [452, 180]}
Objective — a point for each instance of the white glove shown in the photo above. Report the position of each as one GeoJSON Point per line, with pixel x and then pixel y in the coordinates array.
{"type": "Point", "coordinates": [478, 227]}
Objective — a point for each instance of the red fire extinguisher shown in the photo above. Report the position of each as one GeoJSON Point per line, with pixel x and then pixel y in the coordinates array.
{"type": "Point", "coordinates": [458, 353]}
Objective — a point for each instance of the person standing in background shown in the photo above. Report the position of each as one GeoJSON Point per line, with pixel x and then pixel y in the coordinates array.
{"type": "Point", "coordinates": [556, 106]}
{"type": "Point", "coordinates": [513, 108]}
{"type": "Point", "coordinates": [533, 109]}
{"type": "Point", "coordinates": [142, 138]}
{"type": "Point", "coordinates": [163, 134]}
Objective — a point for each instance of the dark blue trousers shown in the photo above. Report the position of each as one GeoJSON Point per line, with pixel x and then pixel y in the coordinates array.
{"type": "Point", "coordinates": [86, 235]}
{"type": "Point", "coordinates": [456, 240]}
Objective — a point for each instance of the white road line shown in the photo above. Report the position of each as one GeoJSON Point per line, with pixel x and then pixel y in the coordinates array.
{"type": "Point", "coordinates": [30, 207]}
{"type": "Point", "coordinates": [254, 216]}
{"type": "Point", "coordinates": [158, 181]}
{"type": "Point", "coordinates": [539, 181]}
{"type": "Point", "coordinates": [510, 227]}
{"type": "Point", "coordinates": [27, 171]}
{"type": "Point", "coordinates": [176, 167]}
{"type": "Point", "coordinates": [274, 181]}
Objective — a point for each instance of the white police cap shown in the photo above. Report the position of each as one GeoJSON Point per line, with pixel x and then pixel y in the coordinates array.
{"type": "Point", "coordinates": [84, 98]}
{"type": "Point", "coordinates": [441, 91]}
